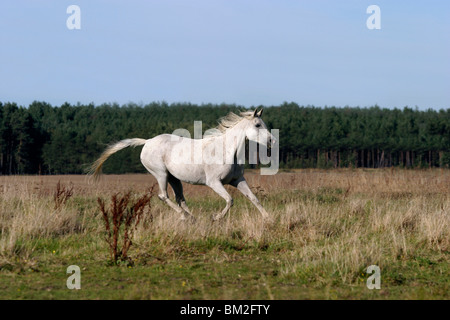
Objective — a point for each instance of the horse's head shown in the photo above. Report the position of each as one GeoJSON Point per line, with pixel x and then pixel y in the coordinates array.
{"type": "Point", "coordinates": [256, 130]}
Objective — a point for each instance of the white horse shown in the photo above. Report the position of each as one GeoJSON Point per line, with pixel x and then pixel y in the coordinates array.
{"type": "Point", "coordinates": [212, 161]}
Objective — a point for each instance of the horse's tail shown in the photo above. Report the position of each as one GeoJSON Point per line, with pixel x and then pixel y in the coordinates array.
{"type": "Point", "coordinates": [95, 169]}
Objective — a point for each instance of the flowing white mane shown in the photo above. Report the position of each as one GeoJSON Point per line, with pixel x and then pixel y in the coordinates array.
{"type": "Point", "coordinates": [228, 122]}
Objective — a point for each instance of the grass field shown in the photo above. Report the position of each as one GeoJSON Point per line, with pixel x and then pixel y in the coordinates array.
{"type": "Point", "coordinates": [328, 227]}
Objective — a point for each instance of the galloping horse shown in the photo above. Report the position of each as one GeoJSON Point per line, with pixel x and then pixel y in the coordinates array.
{"type": "Point", "coordinates": [170, 159]}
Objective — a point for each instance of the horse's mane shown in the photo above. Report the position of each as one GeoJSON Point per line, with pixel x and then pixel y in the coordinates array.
{"type": "Point", "coordinates": [229, 121]}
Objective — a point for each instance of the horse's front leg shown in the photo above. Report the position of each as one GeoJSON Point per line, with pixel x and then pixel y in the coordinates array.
{"type": "Point", "coordinates": [218, 187]}
{"type": "Point", "coordinates": [242, 186]}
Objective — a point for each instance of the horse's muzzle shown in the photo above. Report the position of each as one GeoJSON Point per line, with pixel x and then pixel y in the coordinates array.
{"type": "Point", "coordinates": [272, 141]}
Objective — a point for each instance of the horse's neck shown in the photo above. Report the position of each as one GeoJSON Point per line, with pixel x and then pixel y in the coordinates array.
{"type": "Point", "coordinates": [234, 143]}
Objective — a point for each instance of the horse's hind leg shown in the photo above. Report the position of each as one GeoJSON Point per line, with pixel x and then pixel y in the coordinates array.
{"type": "Point", "coordinates": [162, 182]}
{"type": "Point", "coordinates": [157, 168]}
{"type": "Point", "coordinates": [178, 190]}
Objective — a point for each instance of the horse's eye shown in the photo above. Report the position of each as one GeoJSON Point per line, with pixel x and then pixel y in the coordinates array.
{"type": "Point", "coordinates": [258, 125]}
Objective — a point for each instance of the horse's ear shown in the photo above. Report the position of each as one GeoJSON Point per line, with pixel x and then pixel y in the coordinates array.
{"type": "Point", "coordinates": [255, 113]}
{"type": "Point", "coordinates": [260, 113]}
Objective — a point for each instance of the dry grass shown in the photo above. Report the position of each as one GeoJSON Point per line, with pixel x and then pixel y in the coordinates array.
{"type": "Point", "coordinates": [371, 182]}
{"type": "Point", "coordinates": [328, 225]}
{"type": "Point", "coordinates": [25, 214]}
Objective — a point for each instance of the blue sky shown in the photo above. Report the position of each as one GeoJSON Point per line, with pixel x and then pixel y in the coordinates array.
{"type": "Point", "coordinates": [248, 52]}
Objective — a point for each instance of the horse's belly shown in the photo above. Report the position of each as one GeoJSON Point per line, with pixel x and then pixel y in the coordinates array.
{"type": "Point", "coordinates": [193, 174]}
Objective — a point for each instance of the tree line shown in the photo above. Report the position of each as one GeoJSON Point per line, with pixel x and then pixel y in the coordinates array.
{"type": "Point", "coordinates": [46, 139]}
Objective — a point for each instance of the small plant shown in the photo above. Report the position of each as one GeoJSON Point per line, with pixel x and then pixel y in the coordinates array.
{"type": "Point", "coordinates": [123, 212]}
{"type": "Point", "coordinates": [61, 195]}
